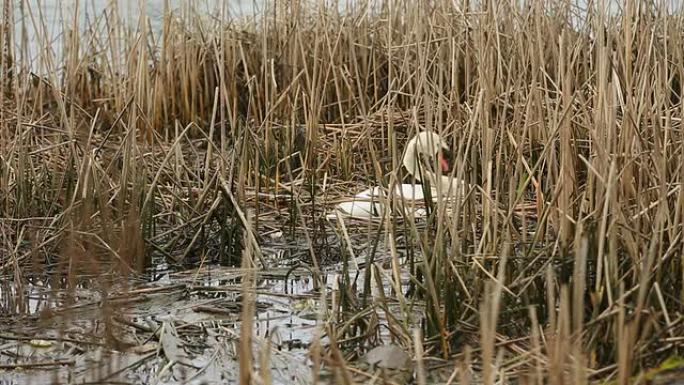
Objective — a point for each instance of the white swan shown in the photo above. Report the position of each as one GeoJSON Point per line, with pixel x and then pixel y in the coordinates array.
{"type": "Point", "coordinates": [371, 203]}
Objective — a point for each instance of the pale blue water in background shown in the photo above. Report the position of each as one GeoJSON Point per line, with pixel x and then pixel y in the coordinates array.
{"type": "Point", "coordinates": [55, 11]}
{"type": "Point", "coordinates": [58, 15]}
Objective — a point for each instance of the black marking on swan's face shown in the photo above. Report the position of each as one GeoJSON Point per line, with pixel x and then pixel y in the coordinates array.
{"type": "Point", "coordinates": [446, 161]}
{"type": "Point", "coordinates": [443, 161]}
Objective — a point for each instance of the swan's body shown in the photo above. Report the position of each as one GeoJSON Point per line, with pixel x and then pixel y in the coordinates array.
{"type": "Point", "coordinates": [372, 202]}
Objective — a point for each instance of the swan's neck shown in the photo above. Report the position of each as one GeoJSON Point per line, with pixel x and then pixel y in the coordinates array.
{"type": "Point", "coordinates": [412, 162]}
{"type": "Point", "coordinates": [414, 166]}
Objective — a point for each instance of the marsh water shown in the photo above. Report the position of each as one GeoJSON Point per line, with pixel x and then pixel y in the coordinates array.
{"type": "Point", "coordinates": [83, 334]}
{"type": "Point", "coordinates": [107, 328]}
{"type": "Point", "coordinates": [168, 325]}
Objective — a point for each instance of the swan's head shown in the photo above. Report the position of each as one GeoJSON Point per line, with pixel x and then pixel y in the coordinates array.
{"type": "Point", "coordinates": [425, 145]}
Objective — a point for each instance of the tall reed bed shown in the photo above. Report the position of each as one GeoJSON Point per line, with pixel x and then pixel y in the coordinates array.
{"type": "Point", "coordinates": [562, 264]}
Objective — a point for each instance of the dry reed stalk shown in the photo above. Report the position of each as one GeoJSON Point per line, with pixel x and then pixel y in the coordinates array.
{"type": "Point", "coordinates": [247, 313]}
{"type": "Point", "coordinates": [421, 375]}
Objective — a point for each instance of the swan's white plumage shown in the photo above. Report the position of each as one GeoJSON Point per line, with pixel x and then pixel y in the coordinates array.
{"type": "Point", "coordinates": [371, 202]}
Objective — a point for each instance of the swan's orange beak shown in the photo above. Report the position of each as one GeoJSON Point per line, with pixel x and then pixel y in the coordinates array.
{"type": "Point", "coordinates": [443, 163]}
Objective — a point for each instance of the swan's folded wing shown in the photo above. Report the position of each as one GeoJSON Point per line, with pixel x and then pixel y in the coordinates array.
{"type": "Point", "coordinates": [371, 203]}
{"type": "Point", "coordinates": [413, 192]}
{"type": "Point", "coordinates": [360, 209]}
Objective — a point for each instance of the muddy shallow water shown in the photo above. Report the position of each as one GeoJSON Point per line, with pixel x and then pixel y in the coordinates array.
{"type": "Point", "coordinates": [135, 333]}
{"type": "Point", "coordinates": [166, 327]}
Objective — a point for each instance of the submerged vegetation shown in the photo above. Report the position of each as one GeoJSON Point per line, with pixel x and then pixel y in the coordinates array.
{"type": "Point", "coordinates": [200, 141]}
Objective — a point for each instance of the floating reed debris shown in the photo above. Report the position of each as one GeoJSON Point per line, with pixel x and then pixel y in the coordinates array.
{"type": "Point", "coordinates": [127, 143]}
